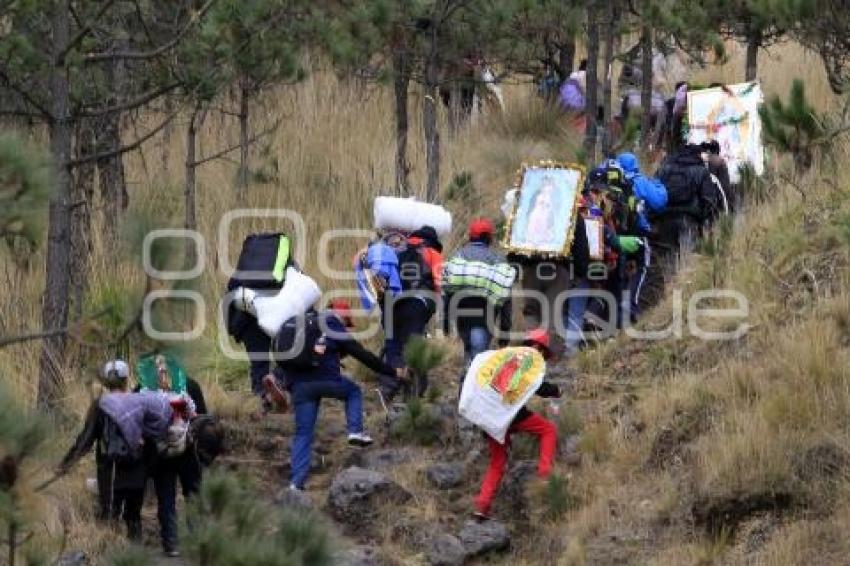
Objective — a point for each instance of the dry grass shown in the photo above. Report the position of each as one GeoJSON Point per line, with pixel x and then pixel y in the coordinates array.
{"type": "Point", "coordinates": [743, 415]}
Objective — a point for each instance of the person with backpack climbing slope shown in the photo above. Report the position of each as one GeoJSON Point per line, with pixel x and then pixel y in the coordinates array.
{"type": "Point", "coordinates": [527, 422]}
{"type": "Point", "coordinates": [420, 265]}
{"type": "Point", "coordinates": [476, 285]}
{"type": "Point", "coordinates": [309, 350]}
{"type": "Point", "coordinates": [260, 269]}
{"type": "Point", "coordinates": [175, 459]}
{"type": "Point", "coordinates": [121, 425]}
{"type": "Point", "coordinates": [652, 195]}
{"type": "Point", "coordinates": [693, 200]}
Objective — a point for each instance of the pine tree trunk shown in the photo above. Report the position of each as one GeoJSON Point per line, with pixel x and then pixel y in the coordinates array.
{"type": "Point", "coordinates": [429, 121]}
{"type": "Point", "coordinates": [591, 102]}
{"type": "Point", "coordinates": [82, 198]}
{"type": "Point", "coordinates": [54, 311]}
{"type": "Point", "coordinates": [167, 132]}
{"type": "Point", "coordinates": [113, 184]}
{"type": "Point", "coordinates": [753, 42]}
{"type": "Point", "coordinates": [566, 58]}
{"type": "Point", "coordinates": [646, 88]}
{"type": "Point", "coordinates": [401, 81]}
{"type": "Point", "coordinates": [244, 136]}
{"type": "Point", "coordinates": [191, 222]}
{"type": "Point", "coordinates": [607, 92]}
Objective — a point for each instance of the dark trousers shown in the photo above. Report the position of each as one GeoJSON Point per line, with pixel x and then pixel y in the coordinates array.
{"type": "Point", "coordinates": [119, 499]}
{"type": "Point", "coordinates": [167, 471]}
{"type": "Point", "coordinates": [410, 317]}
{"type": "Point", "coordinates": [258, 345]}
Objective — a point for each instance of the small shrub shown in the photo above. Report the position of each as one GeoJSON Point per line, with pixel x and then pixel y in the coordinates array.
{"type": "Point", "coordinates": [596, 441]}
{"type": "Point", "coordinates": [417, 425]}
{"type": "Point", "coordinates": [557, 499]}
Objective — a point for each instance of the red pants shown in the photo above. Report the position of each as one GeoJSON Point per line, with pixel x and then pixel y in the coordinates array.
{"type": "Point", "coordinates": [533, 424]}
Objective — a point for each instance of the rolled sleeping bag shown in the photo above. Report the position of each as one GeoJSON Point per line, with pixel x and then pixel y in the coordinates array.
{"type": "Point", "coordinates": [409, 214]}
{"type": "Point", "coordinates": [298, 294]}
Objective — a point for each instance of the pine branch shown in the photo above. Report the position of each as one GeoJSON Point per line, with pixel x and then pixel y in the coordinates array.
{"type": "Point", "coordinates": [234, 147]}
{"type": "Point", "coordinates": [25, 95]}
{"type": "Point", "coordinates": [86, 29]}
{"type": "Point", "coordinates": [9, 340]}
{"type": "Point", "coordinates": [130, 104]}
{"type": "Point", "coordinates": [164, 48]}
{"type": "Point", "coordinates": [123, 149]}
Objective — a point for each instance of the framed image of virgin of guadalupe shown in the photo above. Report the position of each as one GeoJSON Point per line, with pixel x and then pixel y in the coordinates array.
{"type": "Point", "coordinates": [544, 215]}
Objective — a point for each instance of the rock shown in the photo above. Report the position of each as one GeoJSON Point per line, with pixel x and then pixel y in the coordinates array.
{"type": "Point", "coordinates": [294, 499]}
{"type": "Point", "coordinates": [414, 533]}
{"type": "Point", "coordinates": [382, 459]}
{"type": "Point", "coordinates": [568, 448]}
{"type": "Point", "coordinates": [355, 494]}
{"type": "Point", "coordinates": [480, 538]}
{"type": "Point", "coordinates": [445, 475]}
{"type": "Point", "coordinates": [513, 496]}
{"type": "Point", "coordinates": [76, 558]}
{"type": "Point", "coordinates": [445, 550]}
{"type": "Point", "coordinates": [357, 556]}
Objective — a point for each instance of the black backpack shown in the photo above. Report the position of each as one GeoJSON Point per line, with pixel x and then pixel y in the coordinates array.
{"type": "Point", "coordinates": [295, 342]}
{"type": "Point", "coordinates": [114, 446]}
{"type": "Point", "coordinates": [680, 183]}
{"type": "Point", "coordinates": [413, 270]}
{"type": "Point", "coordinates": [266, 256]}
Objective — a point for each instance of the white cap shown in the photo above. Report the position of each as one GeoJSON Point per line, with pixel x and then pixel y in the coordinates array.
{"type": "Point", "coordinates": [115, 369]}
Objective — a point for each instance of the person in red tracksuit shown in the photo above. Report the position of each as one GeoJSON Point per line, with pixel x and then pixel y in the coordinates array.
{"type": "Point", "coordinates": [527, 422]}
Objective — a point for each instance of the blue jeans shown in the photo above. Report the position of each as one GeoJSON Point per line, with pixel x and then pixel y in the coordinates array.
{"type": "Point", "coordinates": [306, 396]}
{"type": "Point", "coordinates": [574, 317]}
{"type": "Point", "coordinates": [475, 340]}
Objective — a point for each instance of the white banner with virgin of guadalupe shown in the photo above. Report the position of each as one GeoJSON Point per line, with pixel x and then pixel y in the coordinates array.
{"type": "Point", "coordinates": [729, 114]}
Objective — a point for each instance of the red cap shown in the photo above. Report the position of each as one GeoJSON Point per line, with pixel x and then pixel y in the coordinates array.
{"type": "Point", "coordinates": [539, 337]}
{"type": "Point", "coordinates": [342, 308]}
{"type": "Point", "coordinates": [480, 227]}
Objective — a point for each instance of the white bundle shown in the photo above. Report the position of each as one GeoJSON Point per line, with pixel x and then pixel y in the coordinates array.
{"type": "Point", "coordinates": [485, 407]}
{"type": "Point", "coordinates": [409, 214]}
{"type": "Point", "coordinates": [297, 295]}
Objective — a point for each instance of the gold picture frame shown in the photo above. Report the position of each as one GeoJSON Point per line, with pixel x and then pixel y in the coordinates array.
{"type": "Point", "coordinates": [562, 185]}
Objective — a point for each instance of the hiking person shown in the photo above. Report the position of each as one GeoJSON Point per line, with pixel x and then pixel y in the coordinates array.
{"type": "Point", "coordinates": [571, 95]}
{"type": "Point", "coordinates": [476, 291]}
{"type": "Point", "coordinates": [121, 425]}
{"type": "Point", "coordinates": [176, 459]}
{"type": "Point", "coordinates": [261, 267]}
{"type": "Point", "coordinates": [651, 196]}
{"type": "Point", "coordinates": [420, 265]}
{"type": "Point", "coordinates": [692, 199]}
{"type": "Point", "coordinates": [527, 422]}
{"type": "Point", "coordinates": [324, 379]}
{"type": "Point", "coordinates": [720, 174]}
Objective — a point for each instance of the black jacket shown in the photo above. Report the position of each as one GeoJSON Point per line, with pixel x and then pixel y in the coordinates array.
{"type": "Point", "coordinates": [546, 390]}
{"type": "Point", "coordinates": [688, 180]}
{"type": "Point", "coordinates": [127, 475]}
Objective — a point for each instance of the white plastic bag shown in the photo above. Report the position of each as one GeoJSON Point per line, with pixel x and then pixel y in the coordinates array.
{"type": "Point", "coordinates": [491, 402]}
{"type": "Point", "coordinates": [297, 295]}
{"type": "Point", "coordinates": [409, 214]}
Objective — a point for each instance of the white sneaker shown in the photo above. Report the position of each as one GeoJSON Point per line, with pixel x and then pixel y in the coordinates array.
{"type": "Point", "coordinates": [359, 439]}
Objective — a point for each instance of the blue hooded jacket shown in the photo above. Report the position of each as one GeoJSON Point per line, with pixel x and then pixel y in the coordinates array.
{"type": "Point", "coordinates": [382, 260]}
{"type": "Point", "coordinates": [650, 190]}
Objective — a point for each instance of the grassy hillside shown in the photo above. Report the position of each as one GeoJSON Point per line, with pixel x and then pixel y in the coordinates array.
{"type": "Point", "coordinates": [690, 451]}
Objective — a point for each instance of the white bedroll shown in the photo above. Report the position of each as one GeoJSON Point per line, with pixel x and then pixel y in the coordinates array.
{"type": "Point", "coordinates": [409, 214]}
{"type": "Point", "coordinates": [497, 385]}
{"type": "Point", "coordinates": [298, 294]}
